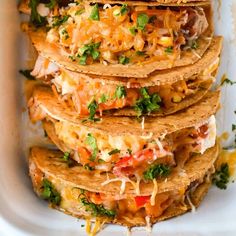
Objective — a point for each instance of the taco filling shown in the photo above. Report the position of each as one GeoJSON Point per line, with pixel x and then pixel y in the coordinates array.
{"type": "Point", "coordinates": [130, 156]}
{"type": "Point", "coordinates": [89, 97]}
{"type": "Point", "coordinates": [122, 34]}
{"type": "Point", "coordinates": [117, 208]}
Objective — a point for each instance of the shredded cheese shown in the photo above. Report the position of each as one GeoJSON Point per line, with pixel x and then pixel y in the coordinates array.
{"type": "Point", "coordinates": [147, 136]}
{"type": "Point", "coordinates": [142, 123]}
{"type": "Point", "coordinates": [148, 224]}
{"type": "Point", "coordinates": [196, 54]}
{"type": "Point", "coordinates": [193, 208]}
{"type": "Point", "coordinates": [154, 193]}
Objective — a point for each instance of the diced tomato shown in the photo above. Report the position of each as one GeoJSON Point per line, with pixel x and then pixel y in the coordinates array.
{"type": "Point", "coordinates": [127, 165]}
{"type": "Point", "coordinates": [96, 198]}
{"type": "Point", "coordinates": [203, 131]}
{"type": "Point", "coordinates": [141, 200]}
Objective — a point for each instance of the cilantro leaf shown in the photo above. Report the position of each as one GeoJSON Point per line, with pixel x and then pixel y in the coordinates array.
{"type": "Point", "coordinates": [133, 30]}
{"type": "Point", "coordinates": [51, 4]}
{"type": "Point", "coordinates": [228, 81]}
{"type": "Point", "coordinates": [88, 167]}
{"type": "Point", "coordinates": [35, 18]}
{"type": "Point", "coordinates": [159, 170]}
{"type": "Point", "coordinates": [95, 13]}
{"type": "Point", "coordinates": [114, 151]}
{"type": "Point", "coordinates": [142, 20]}
{"type": "Point", "coordinates": [92, 107]}
{"type": "Point", "coordinates": [147, 103]}
{"type": "Point", "coordinates": [27, 74]}
{"type": "Point", "coordinates": [79, 12]}
{"type": "Point", "coordinates": [120, 92]}
{"type": "Point", "coordinates": [124, 9]}
{"type": "Point", "coordinates": [169, 50]}
{"type": "Point", "coordinates": [59, 20]}
{"type": "Point", "coordinates": [123, 60]}
{"type": "Point", "coordinates": [97, 209]}
{"type": "Point", "coordinates": [103, 98]}
{"type": "Point", "coordinates": [92, 142]}
{"type": "Point", "coordinates": [195, 45]}
{"type": "Point", "coordinates": [50, 193]}
{"type": "Point", "coordinates": [221, 176]}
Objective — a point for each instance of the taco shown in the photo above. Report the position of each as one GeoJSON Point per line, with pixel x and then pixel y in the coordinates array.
{"type": "Point", "coordinates": [81, 194]}
{"type": "Point", "coordinates": [162, 93]}
{"type": "Point", "coordinates": [122, 40]}
{"type": "Point", "coordinates": [131, 149]}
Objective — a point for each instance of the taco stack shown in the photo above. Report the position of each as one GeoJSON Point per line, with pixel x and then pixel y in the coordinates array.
{"type": "Point", "coordinates": [126, 96]}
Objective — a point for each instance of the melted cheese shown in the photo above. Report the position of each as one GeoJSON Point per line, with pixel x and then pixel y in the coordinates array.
{"type": "Point", "coordinates": [193, 208]}
{"type": "Point", "coordinates": [154, 193]}
{"type": "Point", "coordinates": [148, 224]}
{"type": "Point", "coordinates": [212, 67]}
{"type": "Point", "coordinates": [210, 140]}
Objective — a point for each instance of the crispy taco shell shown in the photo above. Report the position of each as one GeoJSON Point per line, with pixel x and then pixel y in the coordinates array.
{"type": "Point", "coordinates": [49, 165]}
{"type": "Point", "coordinates": [43, 103]}
{"type": "Point", "coordinates": [56, 53]}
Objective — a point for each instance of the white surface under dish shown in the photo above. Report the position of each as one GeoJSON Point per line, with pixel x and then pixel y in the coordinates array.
{"type": "Point", "coordinates": [22, 213]}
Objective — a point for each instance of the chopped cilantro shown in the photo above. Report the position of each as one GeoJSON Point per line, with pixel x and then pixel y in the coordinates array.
{"type": "Point", "coordinates": [65, 34]}
{"type": "Point", "coordinates": [228, 81]}
{"type": "Point", "coordinates": [35, 18]}
{"type": "Point", "coordinates": [221, 176]}
{"type": "Point", "coordinates": [92, 142]}
{"type": "Point", "coordinates": [59, 20]}
{"type": "Point", "coordinates": [92, 107]}
{"type": "Point", "coordinates": [66, 156]}
{"type": "Point", "coordinates": [95, 13]}
{"type": "Point", "coordinates": [88, 167]}
{"type": "Point", "coordinates": [124, 9]}
{"type": "Point", "coordinates": [147, 103]}
{"type": "Point", "coordinates": [169, 50]}
{"type": "Point", "coordinates": [27, 74]}
{"type": "Point", "coordinates": [97, 209]}
{"type": "Point", "coordinates": [50, 193]}
{"type": "Point", "coordinates": [100, 161]}
{"type": "Point", "coordinates": [51, 4]}
{"type": "Point", "coordinates": [123, 60]}
{"type": "Point", "coordinates": [129, 151]}
{"type": "Point", "coordinates": [103, 98]}
{"type": "Point", "coordinates": [114, 151]}
{"type": "Point", "coordinates": [142, 20]}
{"type": "Point", "coordinates": [89, 50]}
{"type": "Point", "coordinates": [159, 170]}
{"type": "Point", "coordinates": [140, 53]}
{"type": "Point", "coordinates": [120, 92]}
{"type": "Point", "coordinates": [194, 45]}
{"type": "Point", "coordinates": [133, 30]}
{"type": "Point", "coordinates": [233, 127]}
{"type": "Point", "coordinates": [79, 12]}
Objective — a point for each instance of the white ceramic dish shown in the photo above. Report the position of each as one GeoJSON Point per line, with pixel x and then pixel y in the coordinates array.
{"type": "Point", "coordinates": [22, 213]}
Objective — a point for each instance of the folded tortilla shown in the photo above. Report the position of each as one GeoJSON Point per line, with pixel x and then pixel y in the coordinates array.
{"type": "Point", "coordinates": [60, 54]}
{"type": "Point", "coordinates": [178, 88]}
{"type": "Point", "coordinates": [124, 146]}
{"type": "Point", "coordinates": [79, 190]}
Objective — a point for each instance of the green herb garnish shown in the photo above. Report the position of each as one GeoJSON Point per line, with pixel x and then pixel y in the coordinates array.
{"type": "Point", "coordinates": [35, 18]}
{"type": "Point", "coordinates": [124, 9]}
{"type": "Point", "coordinates": [50, 193]}
{"type": "Point", "coordinates": [140, 53]}
{"type": "Point", "coordinates": [123, 60]}
{"type": "Point", "coordinates": [88, 167]}
{"type": "Point", "coordinates": [159, 170]}
{"type": "Point", "coordinates": [228, 81]}
{"type": "Point", "coordinates": [95, 13]}
{"type": "Point", "coordinates": [51, 4]}
{"type": "Point", "coordinates": [147, 103]}
{"type": "Point", "coordinates": [92, 142]}
{"type": "Point", "coordinates": [65, 34]}
{"type": "Point", "coordinates": [194, 45]}
{"type": "Point", "coordinates": [221, 176]}
{"type": "Point", "coordinates": [233, 127]}
{"type": "Point", "coordinates": [142, 20]}
{"type": "Point", "coordinates": [97, 209]}
{"type": "Point", "coordinates": [114, 151]}
{"type": "Point", "coordinates": [92, 107]}
{"type": "Point", "coordinates": [129, 151]}
{"type": "Point", "coordinates": [103, 98]}
{"type": "Point", "coordinates": [120, 92]}
{"type": "Point", "coordinates": [59, 20]}
{"type": "Point", "coordinates": [133, 30]}
{"type": "Point", "coordinates": [169, 50]}
{"type": "Point", "coordinates": [66, 156]}
{"type": "Point", "coordinates": [89, 50]}
{"type": "Point", "coordinates": [27, 74]}
{"type": "Point", "coordinates": [79, 12]}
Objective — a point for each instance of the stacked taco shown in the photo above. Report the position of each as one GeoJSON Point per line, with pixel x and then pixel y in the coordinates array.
{"type": "Point", "coordinates": [126, 96]}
